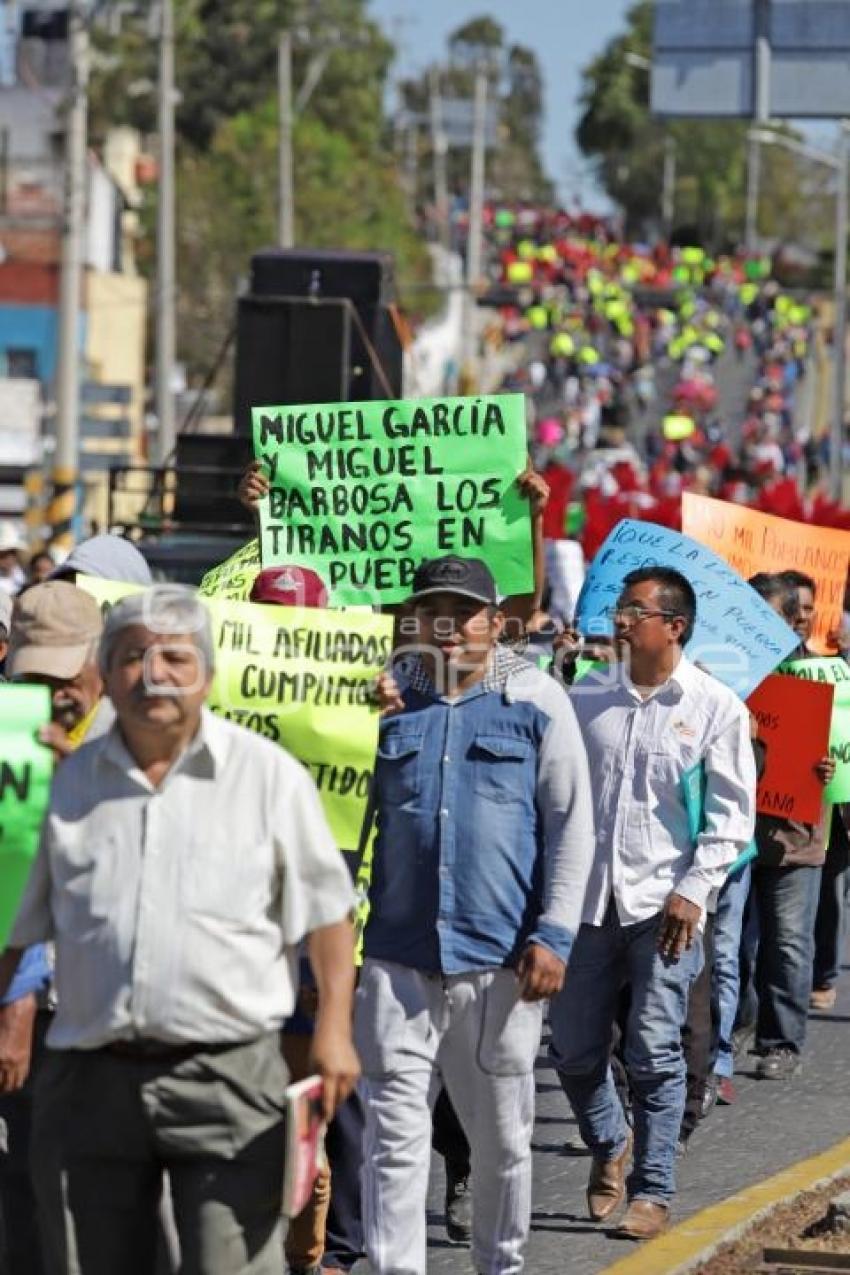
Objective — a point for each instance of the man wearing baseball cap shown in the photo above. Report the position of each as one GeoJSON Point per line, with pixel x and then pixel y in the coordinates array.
{"type": "Point", "coordinates": [55, 631]}
{"type": "Point", "coordinates": [484, 842]}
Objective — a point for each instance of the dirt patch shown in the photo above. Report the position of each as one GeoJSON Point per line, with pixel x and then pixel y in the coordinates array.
{"type": "Point", "coordinates": [799, 1224]}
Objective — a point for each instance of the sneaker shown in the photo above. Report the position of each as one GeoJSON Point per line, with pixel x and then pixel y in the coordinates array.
{"type": "Point", "coordinates": [458, 1205]}
{"type": "Point", "coordinates": [779, 1064]}
{"type": "Point", "coordinates": [822, 998]}
{"type": "Point", "coordinates": [726, 1092]}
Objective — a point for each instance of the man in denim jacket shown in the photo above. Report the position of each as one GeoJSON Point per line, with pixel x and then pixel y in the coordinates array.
{"type": "Point", "coordinates": [484, 841]}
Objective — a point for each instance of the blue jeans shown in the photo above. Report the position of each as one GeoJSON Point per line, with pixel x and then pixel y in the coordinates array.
{"type": "Point", "coordinates": [604, 959]}
{"type": "Point", "coordinates": [831, 922]}
{"type": "Point", "coordinates": [726, 973]}
{"type": "Point", "coordinates": [787, 901]}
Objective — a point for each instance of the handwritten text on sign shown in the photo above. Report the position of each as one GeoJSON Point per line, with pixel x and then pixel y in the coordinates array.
{"type": "Point", "coordinates": [832, 671]}
{"type": "Point", "coordinates": [752, 542]}
{"type": "Point", "coordinates": [362, 493]}
{"type": "Point", "coordinates": [26, 768]}
{"type": "Point", "coordinates": [793, 723]}
{"type": "Point", "coordinates": [737, 636]}
{"type": "Point", "coordinates": [234, 577]}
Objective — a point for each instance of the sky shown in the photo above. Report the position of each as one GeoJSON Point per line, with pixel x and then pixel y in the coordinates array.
{"type": "Point", "coordinates": [565, 35]}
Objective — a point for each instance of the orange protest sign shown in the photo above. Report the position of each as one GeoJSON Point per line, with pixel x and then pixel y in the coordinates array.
{"type": "Point", "coordinates": [752, 542]}
{"type": "Point", "coordinates": [794, 728]}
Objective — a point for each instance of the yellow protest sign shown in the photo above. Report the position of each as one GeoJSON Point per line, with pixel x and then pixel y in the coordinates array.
{"type": "Point", "coordinates": [302, 678]}
{"type": "Point", "coordinates": [234, 577]}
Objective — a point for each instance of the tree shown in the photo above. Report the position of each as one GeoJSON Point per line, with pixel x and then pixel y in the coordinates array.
{"type": "Point", "coordinates": [514, 167]}
{"type": "Point", "coordinates": [228, 202]}
{"type": "Point", "coordinates": [348, 194]}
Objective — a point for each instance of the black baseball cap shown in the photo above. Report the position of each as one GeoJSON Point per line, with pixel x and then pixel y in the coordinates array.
{"type": "Point", "coordinates": [469, 577]}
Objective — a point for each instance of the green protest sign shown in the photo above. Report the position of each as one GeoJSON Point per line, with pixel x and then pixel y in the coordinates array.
{"type": "Point", "coordinates": [361, 493]}
{"type": "Point", "coordinates": [584, 666]}
{"type": "Point", "coordinates": [831, 671]}
{"type": "Point", "coordinates": [302, 678]}
{"type": "Point", "coordinates": [26, 768]}
{"type": "Point", "coordinates": [234, 577]}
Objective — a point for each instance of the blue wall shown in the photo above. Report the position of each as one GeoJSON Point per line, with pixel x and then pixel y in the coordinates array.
{"type": "Point", "coordinates": [34, 327]}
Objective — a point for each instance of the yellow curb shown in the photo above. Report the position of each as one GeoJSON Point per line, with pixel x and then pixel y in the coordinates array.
{"type": "Point", "coordinates": [679, 1249]}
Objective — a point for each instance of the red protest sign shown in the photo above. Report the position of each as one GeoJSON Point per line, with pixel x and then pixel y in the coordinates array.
{"type": "Point", "coordinates": [794, 728]}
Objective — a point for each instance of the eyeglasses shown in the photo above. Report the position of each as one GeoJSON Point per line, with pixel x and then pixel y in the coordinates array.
{"type": "Point", "coordinates": [632, 613]}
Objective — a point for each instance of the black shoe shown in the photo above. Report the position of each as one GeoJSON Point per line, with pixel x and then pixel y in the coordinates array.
{"type": "Point", "coordinates": [779, 1064]}
{"type": "Point", "coordinates": [742, 1039]}
{"type": "Point", "coordinates": [709, 1098]}
{"type": "Point", "coordinates": [458, 1204]}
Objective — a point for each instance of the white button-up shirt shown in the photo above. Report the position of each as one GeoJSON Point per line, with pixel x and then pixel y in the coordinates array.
{"type": "Point", "coordinates": [639, 750]}
{"type": "Point", "coordinates": [176, 910]}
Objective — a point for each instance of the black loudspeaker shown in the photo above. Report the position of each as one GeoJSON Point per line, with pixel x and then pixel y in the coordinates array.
{"type": "Point", "coordinates": [317, 327]}
{"type": "Point", "coordinates": [208, 468]}
{"type": "Point", "coordinates": [289, 352]}
{"type": "Point", "coordinates": [366, 278]}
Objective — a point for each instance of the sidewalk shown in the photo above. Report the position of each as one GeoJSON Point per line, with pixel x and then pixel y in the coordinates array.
{"type": "Point", "coordinates": [770, 1127]}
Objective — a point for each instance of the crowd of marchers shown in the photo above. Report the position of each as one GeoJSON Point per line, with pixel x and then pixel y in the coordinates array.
{"type": "Point", "coordinates": [185, 946]}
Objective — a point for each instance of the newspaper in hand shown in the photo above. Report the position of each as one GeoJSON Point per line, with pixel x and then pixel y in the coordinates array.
{"type": "Point", "coordinates": [305, 1143]}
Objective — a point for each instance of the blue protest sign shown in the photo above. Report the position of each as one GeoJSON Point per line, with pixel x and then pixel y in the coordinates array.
{"type": "Point", "coordinates": [737, 637]}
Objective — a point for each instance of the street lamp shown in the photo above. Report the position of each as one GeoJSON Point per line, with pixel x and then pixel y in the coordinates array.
{"type": "Point", "coordinates": [668, 180]}
{"type": "Point", "coordinates": [839, 164]}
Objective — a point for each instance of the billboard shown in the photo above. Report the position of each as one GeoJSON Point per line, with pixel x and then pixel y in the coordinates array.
{"type": "Point", "coordinates": [704, 57]}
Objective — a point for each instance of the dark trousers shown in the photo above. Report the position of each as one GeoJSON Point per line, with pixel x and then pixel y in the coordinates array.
{"type": "Point", "coordinates": [447, 1136]}
{"type": "Point", "coordinates": [787, 901]}
{"type": "Point", "coordinates": [20, 1246]}
{"type": "Point", "coordinates": [344, 1228]}
{"type": "Point", "coordinates": [107, 1127]}
{"type": "Point", "coordinates": [830, 923]}
{"type": "Point", "coordinates": [699, 1035]}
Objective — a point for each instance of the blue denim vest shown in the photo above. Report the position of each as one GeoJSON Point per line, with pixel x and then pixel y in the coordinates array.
{"type": "Point", "coordinates": [458, 871]}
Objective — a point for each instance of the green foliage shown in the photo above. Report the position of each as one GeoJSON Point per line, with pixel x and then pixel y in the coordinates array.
{"type": "Point", "coordinates": [514, 170]}
{"type": "Point", "coordinates": [347, 190]}
{"type": "Point", "coordinates": [228, 201]}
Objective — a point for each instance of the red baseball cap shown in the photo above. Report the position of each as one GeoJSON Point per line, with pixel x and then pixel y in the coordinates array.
{"type": "Point", "coordinates": [290, 587]}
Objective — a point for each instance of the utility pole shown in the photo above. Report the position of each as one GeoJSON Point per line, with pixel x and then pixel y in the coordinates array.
{"type": "Point", "coordinates": [165, 237]}
{"type": "Point", "coordinates": [761, 80]}
{"type": "Point", "coordinates": [840, 328]}
{"type": "Point", "coordinates": [668, 187]}
{"type": "Point", "coordinates": [286, 200]}
{"type": "Point", "coordinates": [411, 163]}
{"type": "Point", "coordinates": [63, 505]}
{"type": "Point", "coordinates": [439, 147]}
{"type": "Point", "coordinates": [474, 243]}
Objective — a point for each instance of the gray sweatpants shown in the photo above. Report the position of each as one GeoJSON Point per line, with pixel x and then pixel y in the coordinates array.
{"type": "Point", "coordinates": [107, 1128]}
{"type": "Point", "coordinates": [474, 1032]}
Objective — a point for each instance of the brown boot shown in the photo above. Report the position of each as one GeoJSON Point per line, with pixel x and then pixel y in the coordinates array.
{"type": "Point", "coordinates": [644, 1219]}
{"type": "Point", "coordinates": [607, 1183]}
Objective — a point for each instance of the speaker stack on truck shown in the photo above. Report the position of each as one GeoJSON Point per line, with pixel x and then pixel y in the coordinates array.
{"type": "Point", "coordinates": [316, 327]}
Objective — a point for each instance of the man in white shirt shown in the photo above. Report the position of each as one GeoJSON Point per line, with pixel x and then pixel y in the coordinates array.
{"type": "Point", "coordinates": [182, 860]}
{"type": "Point", "coordinates": [646, 722]}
